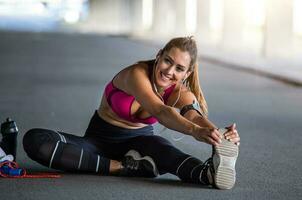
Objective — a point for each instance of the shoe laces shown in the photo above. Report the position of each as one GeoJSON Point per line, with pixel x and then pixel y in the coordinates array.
{"type": "Point", "coordinates": [132, 164]}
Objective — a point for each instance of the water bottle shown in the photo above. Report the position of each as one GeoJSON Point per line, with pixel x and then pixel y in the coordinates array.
{"type": "Point", "coordinates": [9, 171]}
{"type": "Point", "coordinates": [9, 131]}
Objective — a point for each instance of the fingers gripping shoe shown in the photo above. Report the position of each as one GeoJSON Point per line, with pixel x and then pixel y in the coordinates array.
{"type": "Point", "coordinates": [224, 160]}
{"type": "Point", "coordinates": [136, 166]}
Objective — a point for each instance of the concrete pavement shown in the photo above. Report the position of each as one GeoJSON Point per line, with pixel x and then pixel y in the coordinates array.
{"type": "Point", "coordinates": [55, 81]}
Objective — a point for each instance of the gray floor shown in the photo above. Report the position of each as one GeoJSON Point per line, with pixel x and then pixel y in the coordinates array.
{"type": "Point", "coordinates": [55, 81]}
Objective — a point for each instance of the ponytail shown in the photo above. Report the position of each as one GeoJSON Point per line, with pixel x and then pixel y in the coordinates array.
{"type": "Point", "coordinates": [192, 83]}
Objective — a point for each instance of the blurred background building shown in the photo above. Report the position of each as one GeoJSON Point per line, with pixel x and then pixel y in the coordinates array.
{"type": "Point", "coordinates": [263, 35]}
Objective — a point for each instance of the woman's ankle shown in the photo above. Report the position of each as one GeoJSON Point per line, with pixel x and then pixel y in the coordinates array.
{"type": "Point", "coordinates": [115, 167]}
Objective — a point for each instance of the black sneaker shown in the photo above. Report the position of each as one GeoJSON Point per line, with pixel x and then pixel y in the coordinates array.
{"type": "Point", "coordinates": [223, 164]}
{"type": "Point", "coordinates": [134, 165]}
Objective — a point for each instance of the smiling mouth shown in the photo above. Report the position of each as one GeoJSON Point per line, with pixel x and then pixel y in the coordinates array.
{"type": "Point", "coordinates": [164, 77]}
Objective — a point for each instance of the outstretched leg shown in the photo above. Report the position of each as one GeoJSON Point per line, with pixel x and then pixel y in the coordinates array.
{"type": "Point", "coordinates": [219, 170]}
{"type": "Point", "coordinates": [64, 151]}
{"type": "Point", "coordinates": [169, 159]}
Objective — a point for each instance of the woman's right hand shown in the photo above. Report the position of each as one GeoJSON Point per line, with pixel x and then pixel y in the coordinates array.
{"type": "Point", "coordinates": [208, 135]}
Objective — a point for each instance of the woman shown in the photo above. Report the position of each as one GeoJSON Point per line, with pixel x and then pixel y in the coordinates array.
{"type": "Point", "coordinates": [119, 139]}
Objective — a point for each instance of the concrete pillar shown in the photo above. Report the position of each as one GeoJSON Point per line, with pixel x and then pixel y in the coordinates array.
{"type": "Point", "coordinates": [136, 10]}
{"type": "Point", "coordinates": [279, 29]}
{"type": "Point", "coordinates": [163, 18]}
{"type": "Point", "coordinates": [203, 32]}
{"type": "Point", "coordinates": [233, 25]}
{"type": "Point", "coordinates": [108, 16]}
{"type": "Point", "coordinates": [180, 28]}
{"type": "Point", "coordinates": [141, 17]}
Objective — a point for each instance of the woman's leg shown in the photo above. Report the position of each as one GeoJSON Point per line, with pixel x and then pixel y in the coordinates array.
{"type": "Point", "coordinates": [68, 152]}
{"type": "Point", "coordinates": [64, 151]}
{"type": "Point", "coordinates": [218, 170]}
{"type": "Point", "coordinates": [169, 159]}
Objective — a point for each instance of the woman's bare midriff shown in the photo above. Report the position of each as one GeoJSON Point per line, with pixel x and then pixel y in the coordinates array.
{"type": "Point", "coordinates": [106, 113]}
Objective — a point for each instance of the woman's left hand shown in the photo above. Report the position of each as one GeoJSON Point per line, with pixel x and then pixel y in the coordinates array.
{"type": "Point", "coordinates": [232, 134]}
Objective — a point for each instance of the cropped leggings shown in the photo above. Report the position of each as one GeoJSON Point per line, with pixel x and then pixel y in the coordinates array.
{"type": "Point", "coordinates": [103, 142]}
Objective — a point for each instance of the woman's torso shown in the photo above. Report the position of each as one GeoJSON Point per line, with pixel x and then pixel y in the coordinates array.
{"type": "Point", "coordinates": [106, 112]}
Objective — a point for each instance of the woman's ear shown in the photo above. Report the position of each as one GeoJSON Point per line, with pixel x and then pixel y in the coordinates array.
{"type": "Point", "coordinates": [187, 74]}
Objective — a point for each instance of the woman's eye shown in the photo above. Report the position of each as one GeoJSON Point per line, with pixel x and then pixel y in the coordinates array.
{"type": "Point", "coordinates": [179, 69]}
{"type": "Point", "coordinates": [167, 61]}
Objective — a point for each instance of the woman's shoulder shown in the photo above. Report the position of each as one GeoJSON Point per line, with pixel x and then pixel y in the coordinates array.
{"type": "Point", "coordinates": [137, 70]}
{"type": "Point", "coordinates": [186, 96]}
{"type": "Point", "coordinates": [184, 89]}
{"type": "Point", "coordinates": [148, 63]}
{"type": "Point", "coordinates": [141, 67]}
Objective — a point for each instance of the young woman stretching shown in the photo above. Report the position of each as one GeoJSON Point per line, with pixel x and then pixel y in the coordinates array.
{"type": "Point", "coordinates": [119, 139]}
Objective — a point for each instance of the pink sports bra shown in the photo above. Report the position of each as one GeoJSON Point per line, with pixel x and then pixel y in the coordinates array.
{"type": "Point", "coordinates": [121, 103]}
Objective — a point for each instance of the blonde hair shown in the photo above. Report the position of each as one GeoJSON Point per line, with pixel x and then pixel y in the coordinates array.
{"type": "Point", "coordinates": [188, 44]}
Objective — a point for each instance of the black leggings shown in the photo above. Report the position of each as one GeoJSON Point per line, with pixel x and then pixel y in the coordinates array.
{"type": "Point", "coordinates": [103, 142]}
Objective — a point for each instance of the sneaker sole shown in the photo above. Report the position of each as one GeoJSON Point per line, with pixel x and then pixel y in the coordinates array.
{"type": "Point", "coordinates": [225, 155]}
{"type": "Point", "coordinates": [137, 156]}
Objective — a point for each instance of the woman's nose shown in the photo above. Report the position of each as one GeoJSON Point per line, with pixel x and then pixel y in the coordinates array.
{"type": "Point", "coordinates": [170, 70]}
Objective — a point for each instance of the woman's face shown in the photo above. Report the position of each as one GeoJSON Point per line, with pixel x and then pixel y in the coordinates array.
{"type": "Point", "coordinates": [172, 67]}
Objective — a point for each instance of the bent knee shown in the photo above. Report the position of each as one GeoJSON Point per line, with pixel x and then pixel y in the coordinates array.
{"type": "Point", "coordinates": [31, 137]}
{"type": "Point", "coordinates": [34, 139]}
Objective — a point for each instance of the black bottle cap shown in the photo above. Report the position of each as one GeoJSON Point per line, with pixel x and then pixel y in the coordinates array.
{"type": "Point", "coordinates": [9, 126]}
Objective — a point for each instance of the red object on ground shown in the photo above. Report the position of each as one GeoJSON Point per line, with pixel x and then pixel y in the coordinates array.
{"type": "Point", "coordinates": [14, 165]}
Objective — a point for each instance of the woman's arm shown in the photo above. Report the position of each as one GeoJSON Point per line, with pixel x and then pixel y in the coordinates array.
{"type": "Point", "coordinates": [137, 83]}
{"type": "Point", "coordinates": [187, 98]}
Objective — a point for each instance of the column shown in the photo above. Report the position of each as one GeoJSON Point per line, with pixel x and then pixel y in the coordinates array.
{"type": "Point", "coordinates": [108, 16]}
{"type": "Point", "coordinates": [136, 10]}
{"type": "Point", "coordinates": [233, 25]}
{"type": "Point", "coordinates": [203, 32]}
{"type": "Point", "coordinates": [180, 28]}
{"type": "Point", "coordinates": [279, 29]}
{"type": "Point", "coordinates": [163, 18]}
